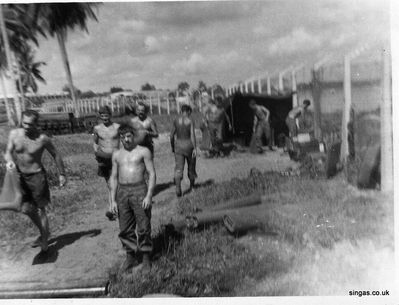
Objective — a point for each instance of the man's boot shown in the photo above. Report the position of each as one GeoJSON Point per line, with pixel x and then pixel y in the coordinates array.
{"type": "Point", "coordinates": [129, 263]}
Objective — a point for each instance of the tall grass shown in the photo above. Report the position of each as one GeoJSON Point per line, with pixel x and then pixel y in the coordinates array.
{"type": "Point", "coordinates": [303, 217]}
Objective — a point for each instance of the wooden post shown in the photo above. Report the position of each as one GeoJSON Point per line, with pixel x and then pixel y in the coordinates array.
{"type": "Point", "coordinates": [347, 108]}
{"type": "Point", "coordinates": [159, 104]}
{"type": "Point", "coordinates": [246, 86]}
{"type": "Point", "coordinates": [151, 104]}
{"type": "Point", "coordinates": [280, 83]}
{"type": "Point", "coordinates": [386, 125]}
{"type": "Point", "coordinates": [294, 89]}
{"type": "Point", "coordinates": [252, 85]}
{"type": "Point", "coordinates": [259, 85]}
{"type": "Point", "coordinates": [316, 94]}
{"type": "Point", "coordinates": [168, 104]}
{"type": "Point", "coordinates": [242, 88]}
{"type": "Point", "coordinates": [268, 85]}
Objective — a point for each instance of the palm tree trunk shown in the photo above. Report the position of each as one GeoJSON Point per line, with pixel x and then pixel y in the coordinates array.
{"type": "Point", "coordinates": [64, 55]}
{"type": "Point", "coordinates": [9, 65]}
{"type": "Point", "coordinates": [21, 89]}
{"type": "Point", "coordinates": [10, 117]}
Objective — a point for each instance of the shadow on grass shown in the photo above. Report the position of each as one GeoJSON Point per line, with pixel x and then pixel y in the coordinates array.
{"type": "Point", "coordinates": [161, 187]}
{"type": "Point", "coordinates": [59, 242]}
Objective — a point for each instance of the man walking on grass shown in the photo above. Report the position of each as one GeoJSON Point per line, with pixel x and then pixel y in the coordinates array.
{"type": "Point", "coordinates": [145, 125]}
{"type": "Point", "coordinates": [132, 198]}
{"type": "Point", "coordinates": [106, 141]}
{"type": "Point", "coordinates": [214, 119]}
{"type": "Point", "coordinates": [27, 145]}
{"type": "Point", "coordinates": [261, 125]}
{"type": "Point", "coordinates": [184, 148]}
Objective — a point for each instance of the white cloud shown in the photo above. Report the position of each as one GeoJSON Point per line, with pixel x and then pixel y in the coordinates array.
{"type": "Point", "coordinates": [261, 30]}
{"type": "Point", "coordinates": [152, 44]}
{"type": "Point", "coordinates": [195, 64]}
{"type": "Point", "coordinates": [299, 40]}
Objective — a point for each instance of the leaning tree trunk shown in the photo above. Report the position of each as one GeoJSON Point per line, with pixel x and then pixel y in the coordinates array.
{"type": "Point", "coordinates": [21, 89]}
{"type": "Point", "coordinates": [9, 65]}
{"type": "Point", "coordinates": [64, 55]}
{"type": "Point", "coordinates": [10, 115]}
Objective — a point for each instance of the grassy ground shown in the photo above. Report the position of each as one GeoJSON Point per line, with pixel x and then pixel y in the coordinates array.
{"type": "Point", "coordinates": [309, 223]}
{"type": "Point", "coordinates": [316, 236]}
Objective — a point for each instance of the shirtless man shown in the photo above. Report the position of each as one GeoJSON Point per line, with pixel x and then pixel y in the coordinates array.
{"type": "Point", "coordinates": [27, 144]}
{"type": "Point", "coordinates": [145, 124]}
{"type": "Point", "coordinates": [214, 118]}
{"type": "Point", "coordinates": [132, 198]}
{"type": "Point", "coordinates": [293, 115]}
{"type": "Point", "coordinates": [184, 148]}
{"type": "Point", "coordinates": [261, 125]}
{"type": "Point", "coordinates": [106, 141]}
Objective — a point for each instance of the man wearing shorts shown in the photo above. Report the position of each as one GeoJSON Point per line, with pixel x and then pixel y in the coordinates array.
{"type": "Point", "coordinates": [106, 141]}
{"type": "Point", "coordinates": [144, 125]}
{"type": "Point", "coordinates": [293, 115]}
{"type": "Point", "coordinates": [27, 145]}
{"type": "Point", "coordinates": [214, 118]}
{"type": "Point", "coordinates": [132, 198]}
{"type": "Point", "coordinates": [184, 148]}
{"type": "Point", "coordinates": [261, 125]}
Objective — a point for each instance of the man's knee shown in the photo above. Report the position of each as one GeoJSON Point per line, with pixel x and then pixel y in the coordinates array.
{"type": "Point", "coordinates": [28, 208]}
{"type": "Point", "coordinates": [178, 174]}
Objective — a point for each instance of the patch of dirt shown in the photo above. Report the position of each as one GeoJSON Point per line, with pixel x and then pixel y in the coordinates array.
{"type": "Point", "coordinates": [89, 247]}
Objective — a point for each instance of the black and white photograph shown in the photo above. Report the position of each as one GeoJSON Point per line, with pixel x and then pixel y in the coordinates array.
{"type": "Point", "coordinates": [197, 149]}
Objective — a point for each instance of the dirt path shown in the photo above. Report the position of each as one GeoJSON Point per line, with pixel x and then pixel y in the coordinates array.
{"type": "Point", "coordinates": [89, 247]}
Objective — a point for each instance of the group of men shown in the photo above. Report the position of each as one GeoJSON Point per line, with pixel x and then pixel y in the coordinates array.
{"type": "Point", "coordinates": [125, 156]}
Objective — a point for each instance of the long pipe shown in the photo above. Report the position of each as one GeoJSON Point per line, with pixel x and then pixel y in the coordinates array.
{"type": "Point", "coordinates": [55, 293]}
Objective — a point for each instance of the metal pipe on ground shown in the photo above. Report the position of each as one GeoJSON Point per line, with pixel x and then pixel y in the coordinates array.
{"type": "Point", "coordinates": [55, 293]}
{"type": "Point", "coordinates": [216, 214]}
{"type": "Point", "coordinates": [242, 220]}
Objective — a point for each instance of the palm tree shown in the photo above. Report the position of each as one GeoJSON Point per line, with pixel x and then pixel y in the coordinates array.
{"type": "Point", "coordinates": [30, 71]}
{"type": "Point", "coordinates": [57, 19]}
{"type": "Point", "coordinates": [17, 28]}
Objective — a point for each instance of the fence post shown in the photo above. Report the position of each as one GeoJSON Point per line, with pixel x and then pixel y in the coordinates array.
{"type": "Point", "coordinates": [246, 86]}
{"type": "Point", "coordinates": [259, 85]}
{"type": "Point", "coordinates": [347, 108]}
{"type": "Point", "coordinates": [269, 87]}
{"type": "Point", "coordinates": [159, 104]}
{"type": "Point", "coordinates": [168, 104]}
{"type": "Point", "coordinates": [316, 94]}
{"type": "Point", "coordinates": [252, 86]}
{"type": "Point", "coordinates": [151, 104]}
{"type": "Point", "coordinates": [386, 125]}
{"type": "Point", "coordinates": [294, 89]}
{"type": "Point", "coordinates": [280, 82]}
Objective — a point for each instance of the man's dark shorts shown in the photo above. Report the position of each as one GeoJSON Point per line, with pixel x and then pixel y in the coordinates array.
{"type": "Point", "coordinates": [104, 167]}
{"type": "Point", "coordinates": [35, 189]}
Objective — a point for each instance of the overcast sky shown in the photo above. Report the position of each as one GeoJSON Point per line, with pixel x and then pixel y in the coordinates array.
{"type": "Point", "coordinates": [167, 42]}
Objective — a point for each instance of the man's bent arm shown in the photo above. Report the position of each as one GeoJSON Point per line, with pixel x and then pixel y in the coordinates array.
{"type": "Point", "coordinates": [154, 132]}
{"type": "Point", "coordinates": [172, 136]}
{"type": "Point", "coordinates": [267, 113]}
{"type": "Point", "coordinates": [149, 165]}
{"type": "Point", "coordinates": [10, 148]}
{"type": "Point", "coordinates": [113, 179]}
{"type": "Point", "coordinates": [193, 139]}
{"type": "Point", "coordinates": [55, 154]}
{"type": "Point", "coordinates": [95, 139]}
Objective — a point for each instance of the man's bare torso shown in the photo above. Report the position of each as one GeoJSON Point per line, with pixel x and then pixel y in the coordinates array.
{"type": "Point", "coordinates": [139, 124]}
{"type": "Point", "coordinates": [131, 166]}
{"type": "Point", "coordinates": [108, 137]}
{"type": "Point", "coordinates": [296, 112]}
{"type": "Point", "coordinates": [260, 114]}
{"type": "Point", "coordinates": [215, 114]}
{"type": "Point", "coordinates": [28, 150]}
